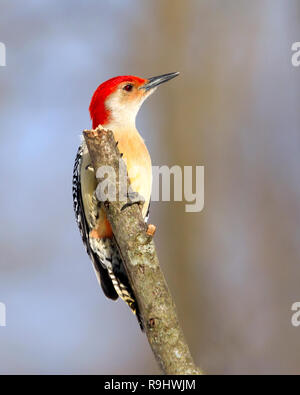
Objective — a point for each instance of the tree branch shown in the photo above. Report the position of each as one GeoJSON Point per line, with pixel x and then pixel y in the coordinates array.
{"type": "Point", "coordinates": [141, 263]}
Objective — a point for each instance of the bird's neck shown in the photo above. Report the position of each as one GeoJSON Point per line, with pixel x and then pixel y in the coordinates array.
{"type": "Point", "coordinates": [122, 129]}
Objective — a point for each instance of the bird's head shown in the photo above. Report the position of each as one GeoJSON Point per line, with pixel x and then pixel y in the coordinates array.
{"type": "Point", "coordinates": [117, 101]}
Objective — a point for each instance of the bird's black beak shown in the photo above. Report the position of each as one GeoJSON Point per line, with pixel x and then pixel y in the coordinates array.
{"type": "Point", "coordinates": [160, 79]}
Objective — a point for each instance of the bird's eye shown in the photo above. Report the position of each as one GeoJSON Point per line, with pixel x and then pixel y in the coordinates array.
{"type": "Point", "coordinates": [128, 88]}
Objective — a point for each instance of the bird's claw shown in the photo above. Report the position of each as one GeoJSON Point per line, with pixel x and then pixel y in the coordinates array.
{"type": "Point", "coordinates": [89, 168]}
{"type": "Point", "coordinates": [151, 230]}
{"type": "Point", "coordinates": [134, 198]}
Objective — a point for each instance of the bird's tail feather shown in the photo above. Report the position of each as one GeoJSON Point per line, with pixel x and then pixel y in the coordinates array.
{"type": "Point", "coordinates": [125, 294]}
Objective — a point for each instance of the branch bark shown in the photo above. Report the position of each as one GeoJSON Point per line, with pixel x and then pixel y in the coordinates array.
{"type": "Point", "coordinates": [137, 249]}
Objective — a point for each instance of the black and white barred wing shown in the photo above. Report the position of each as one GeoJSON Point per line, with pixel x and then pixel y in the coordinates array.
{"type": "Point", "coordinates": [100, 269]}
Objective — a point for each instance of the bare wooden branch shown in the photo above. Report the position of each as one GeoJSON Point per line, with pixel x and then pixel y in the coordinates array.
{"type": "Point", "coordinates": [141, 262]}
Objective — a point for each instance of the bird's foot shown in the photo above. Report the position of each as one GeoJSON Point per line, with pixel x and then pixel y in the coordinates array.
{"type": "Point", "coordinates": [89, 168]}
{"type": "Point", "coordinates": [151, 230]}
{"type": "Point", "coordinates": [134, 198]}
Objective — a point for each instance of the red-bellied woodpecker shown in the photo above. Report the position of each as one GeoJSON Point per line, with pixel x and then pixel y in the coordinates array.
{"type": "Point", "coordinates": [114, 106]}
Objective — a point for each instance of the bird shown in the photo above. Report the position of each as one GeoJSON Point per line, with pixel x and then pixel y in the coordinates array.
{"type": "Point", "coordinates": [114, 106]}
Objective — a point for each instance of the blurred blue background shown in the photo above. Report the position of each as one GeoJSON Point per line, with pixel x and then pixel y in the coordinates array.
{"type": "Point", "coordinates": [233, 268]}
